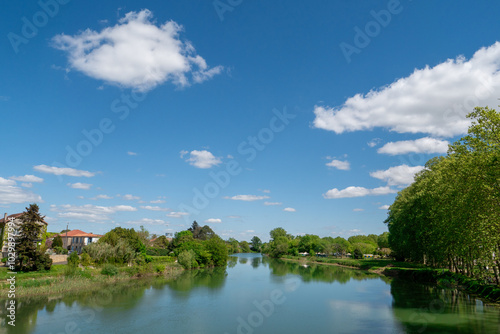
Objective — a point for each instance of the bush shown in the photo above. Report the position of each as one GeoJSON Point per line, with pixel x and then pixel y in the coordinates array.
{"type": "Point", "coordinates": [187, 259]}
{"type": "Point", "coordinates": [109, 270]}
{"type": "Point", "coordinates": [357, 254]}
{"type": "Point", "coordinates": [159, 268]}
{"type": "Point", "coordinates": [85, 260]}
{"type": "Point", "coordinates": [60, 250]}
{"type": "Point", "coordinates": [57, 242]}
{"type": "Point", "coordinates": [157, 251]}
{"type": "Point", "coordinates": [73, 259]}
{"type": "Point", "coordinates": [44, 262]}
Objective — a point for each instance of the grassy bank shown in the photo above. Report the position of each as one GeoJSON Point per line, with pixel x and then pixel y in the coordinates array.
{"type": "Point", "coordinates": [411, 271]}
{"type": "Point", "coordinates": [64, 279]}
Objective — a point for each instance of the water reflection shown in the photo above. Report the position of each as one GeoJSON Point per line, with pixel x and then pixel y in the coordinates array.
{"type": "Point", "coordinates": [213, 279]}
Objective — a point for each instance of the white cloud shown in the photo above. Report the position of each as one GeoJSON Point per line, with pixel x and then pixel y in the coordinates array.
{"type": "Point", "coordinates": [63, 171]}
{"type": "Point", "coordinates": [357, 192]}
{"type": "Point", "coordinates": [27, 178]}
{"type": "Point", "coordinates": [88, 212]}
{"type": "Point", "coordinates": [289, 209]}
{"type": "Point", "coordinates": [384, 207]}
{"type": "Point", "coordinates": [272, 203]}
{"type": "Point", "coordinates": [267, 191]}
{"type": "Point", "coordinates": [147, 221]}
{"type": "Point", "coordinates": [374, 142]}
{"type": "Point", "coordinates": [358, 210]}
{"type": "Point", "coordinates": [398, 175]}
{"type": "Point", "coordinates": [101, 197]}
{"type": "Point", "coordinates": [201, 159]}
{"type": "Point", "coordinates": [10, 193]}
{"type": "Point", "coordinates": [234, 217]}
{"type": "Point", "coordinates": [430, 100]}
{"type": "Point", "coordinates": [342, 165]}
{"type": "Point", "coordinates": [247, 198]}
{"type": "Point", "coordinates": [177, 214]}
{"type": "Point", "coordinates": [129, 197]}
{"type": "Point", "coordinates": [131, 153]}
{"type": "Point", "coordinates": [422, 145]}
{"type": "Point", "coordinates": [157, 201]}
{"type": "Point", "coordinates": [213, 221]}
{"type": "Point", "coordinates": [154, 208]}
{"type": "Point", "coordinates": [79, 185]}
{"type": "Point", "coordinates": [27, 185]}
{"type": "Point", "coordinates": [136, 53]}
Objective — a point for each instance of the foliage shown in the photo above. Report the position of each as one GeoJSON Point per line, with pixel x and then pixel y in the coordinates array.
{"type": "Point", "coordinates": [60, 250]}
{"type": "Point", "coordinates": [157, 251]}
{"type": "Point", "coordinates": [29, 258]}
{"type": "Point", "coordinates": [73, 259]}
{"type": "Point", "coordinates": [202, 233]}
{"type": "Point", "coordinates": [187, 259]}
{"type": "Point", "coordinates": [109, 270]}
{"type": "Point", "coordinates": [101, 253]}
{"type": "Point", "coordinates": [218, 251]}
{"type": "Point", "coordinates": [143, 235]}
{"type": "Point", "coordinates": [85, 260]}
{"type": "Point", "coordinates": [161, 242]}
{"type": "Point", "coordinates": [129, 236]}
{"type": "Point", "coordinates": [357, 253]}
{"type": "Point", "coordinates": [57, 242]}
{"type": "Point", "coordinates": [256, 244]}
{"type": "Point", "coordinates": [450, 215]}
{"type": "Point", "coordinates": [245, 247]}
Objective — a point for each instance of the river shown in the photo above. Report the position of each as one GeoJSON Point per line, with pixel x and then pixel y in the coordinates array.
{"type": "Point", "coordinates": [255, 294]}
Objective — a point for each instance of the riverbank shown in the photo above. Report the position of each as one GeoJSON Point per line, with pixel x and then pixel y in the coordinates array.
{"type": "Point", "coordinates": [62, 279]}
{"type": "Point", "coordinates": [413, 272]}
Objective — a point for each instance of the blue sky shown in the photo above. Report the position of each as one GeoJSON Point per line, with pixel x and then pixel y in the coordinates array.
{"type": "Point", "coordinates": [242, 115]}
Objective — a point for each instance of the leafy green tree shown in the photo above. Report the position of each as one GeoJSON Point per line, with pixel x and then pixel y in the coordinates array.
{"type": "Point", "coordinates": [218, 250]}
{"type": "Point", "coordinates": [57, 242]}
{"type": "Point", "coordinates": [29, 257]}
{"type": "Point", "coordinates": [130, 236]}
{"type": "Point", "coordinates": [161, 242]}
{"type": "Point", "coordinates": [245, 247]}
{"type": "Point", "coordinates": [73, 259]}
{"type": "Point", "coordinates": [256, 244]}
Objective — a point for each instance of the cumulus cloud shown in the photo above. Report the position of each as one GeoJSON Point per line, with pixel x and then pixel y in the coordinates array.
{"type": "Point", "coordinates": [247, 198]}
{"type": "Point", "coordinates": [27, 178]}
{"type": "Point", "coordinates": [79, 185]}
{"type": "Point", "coordinates": [102, 196]}
{"type": "Point", "coordinates": [10, 193]}
{"type": "Point", "coordinates": [384, 207]}
{"type": "Point", "coordinates": [63, 171]}
{"type": "Point", "coordinates": [289, 209]}
{"type": "Point", "coordinates": [154, 208]}
{"type": "Point", "coordinates": [88, 212]}
{"type": "Point", "coordinates": [136, 53]}
{"type": "Point", "coordinates": [129, 197]}
{"type": "Point", "coordinates": [272, 203]}
{"type": "Point", "coordinates": [398, 175]}
{"type": "Point", "coordinates": [213, 221]}
{"type": "Point", "coordinates": [422, 145]}
{"type": "Point", "coordinates": [432, 100]}
{"type": "Point", "coordinates": [147, 221]}
{"type": "Point", "coordinates": [157, 201]}
{"type": "Point", "coordinates": [357, 192]}
{"type": "Point", "coordinates": [201, 159]}
{"type": "Point", "coordinates": [177, 214]}
{"type": "Point", "coordinates": [131, 153]}
{"type": "Point", "coordinates": [374, 142]}
{"type": "Point", "coordinates": [342, 165]}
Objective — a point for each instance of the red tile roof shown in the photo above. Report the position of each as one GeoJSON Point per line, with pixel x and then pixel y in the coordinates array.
{"type": "Point", "coordinates": [78, 233]}
{"type": "Point", "coordinates": [17, 215]}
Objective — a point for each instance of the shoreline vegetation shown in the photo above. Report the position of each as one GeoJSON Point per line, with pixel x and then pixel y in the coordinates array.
{"type": "Point", "coordinates": [410, 271]}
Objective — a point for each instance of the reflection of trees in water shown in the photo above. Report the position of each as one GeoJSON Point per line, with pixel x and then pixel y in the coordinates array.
{"type": "Point", "coordinates": [256, 261]}
{"type": "Point", "coordinates": [212, 278]}
{"type": "Point", "coordinates": [232, 261]}
{"type": "Point", "coordinates": [430, 309]}
{"type": "Point", "coordinates": [243, 260]}
{"type": "Point", "coordinates": [316, 272]}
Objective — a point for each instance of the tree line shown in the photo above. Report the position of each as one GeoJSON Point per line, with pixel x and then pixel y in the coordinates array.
{"type": "Point", "coordinates": [450, 215]}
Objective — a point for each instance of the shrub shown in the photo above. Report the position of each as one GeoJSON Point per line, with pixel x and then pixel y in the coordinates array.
{"type": "Point", "coordinates": [357, 254]}
{"type": "Point", "coordinates": [159, 268]}
{"type": "Point", "coordinates": [187, 259]}
{"type": "Point", "coordinates": [85, 260]}
{"type": "Point", "coordinates": [57, 242]}
{"type": "Point", "coordinates": [60, 250]}
{"type": "Point", "coordinates": [109, 270]}
{"type": "Point", "coordinates": [73, 259]}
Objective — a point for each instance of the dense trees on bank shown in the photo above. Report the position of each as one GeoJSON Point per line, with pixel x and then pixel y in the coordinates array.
{"type": "Point", "coordinates": [450, 216]}
{"type": "Point", "coordinates": [282, 243]}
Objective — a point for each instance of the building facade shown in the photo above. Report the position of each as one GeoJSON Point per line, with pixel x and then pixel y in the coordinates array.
{"type": "Point", "coordinates": [75, 240]}
{"type": "Point", "coordinates": [16, 220]}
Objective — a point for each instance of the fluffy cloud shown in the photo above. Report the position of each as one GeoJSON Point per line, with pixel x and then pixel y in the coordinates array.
{"type": "Point", "coordinates": [136, 53]}
{"type": "Point", "coordinates": [27, 178]}
{"type": "Point", "coordinates": [154, 208]}
{"type": "Point", "coordinates": [247, 198]}
{"type": "Point", "coordinates": [157, 201]}
{"type": "Point", "coordinates": [213, 221]}
{"type": "Point", "coordinates": [289, 209]}
{"type": "Point", "coordinates": [201, 159]}
{"type": "Point", "coordinates": [101, 197]}
{"type": "Point", "coordinates": [384, 207]}
{"type": "Point", "coordinates": [177, 214]}
{"type": "Point", "coordinates": [129, 197]}
{"type": "Point", "coordinates": [10, 193]}
{"type": "Point", "coordinates": [147, 221]}
{"type": "Point", "coordinates": [342, 165]}
{"type": "Point", "coordinates": [422, 145]}
{"type": "Point", "coordinates": [131, 153]}
{"type": "Point", "coordinates": [398, 175]}
{"type": "Point", "coordinates": [79, 185]}
{"type": "Point", "coordinates": [357, 192]}
{"type": "Point", "coordinates": [272, 203]}
{"type": "Point", "coordinates": [63, 171]}
{"type": "Point", "coordinates": [430, 100]}
{"type": "Point", "coordinates": [88, 212]}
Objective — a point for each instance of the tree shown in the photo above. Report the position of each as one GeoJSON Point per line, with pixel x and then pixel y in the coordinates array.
{"type": "Point", "coordinates": [256, 244]}
{"type": "Point", "coordinates": [161, 242]}
{"type": "Point", "coordinates": [29, 257]}
{"type": "Point", "coordinates": [57, 242]}
{"type": "Point", "coordinates": [245, 247]}
{"type": "Point", "coordinates": [143, 235]}
{"type": "Point", "coordinates": [130, 236]}
{"type": "Point", "coordinates": [202, 233]}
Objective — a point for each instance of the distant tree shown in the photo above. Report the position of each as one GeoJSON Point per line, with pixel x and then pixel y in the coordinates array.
{"type": "Point", "coordinates": [129, 236]}
{"type": "Point", "coordinates": [201, 233]}
{"type": "Point", "coordinates": [383, 240]}
{"type": "Point", "coordinates": [256, 244]}
{"type": "Point", "coordinates": [278, 232]}
{"type": "Point", "coordinates": [161, 242]}
{"type": "Point", "coordinates": [29, 257]}
{"type": "Point", "coordinates": [358, 253]}
{"type": "Point", "coordinates": [245, 247]}
{"type": "Point", "coordinates": [143, 235]}
{"type": "Point", "coordinates": [57, 242]}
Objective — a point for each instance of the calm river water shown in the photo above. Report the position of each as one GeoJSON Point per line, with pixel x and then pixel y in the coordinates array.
{"type": "Point", "coordinates": [255, 294]}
